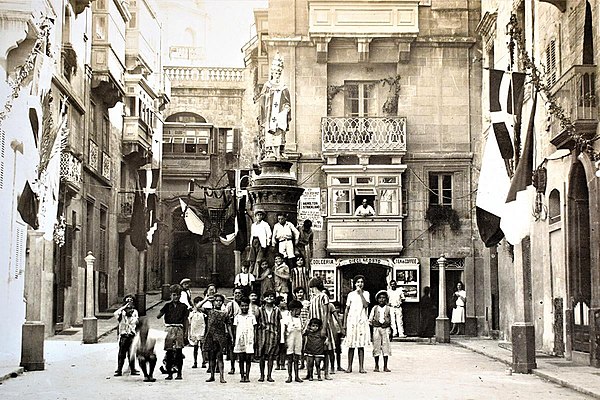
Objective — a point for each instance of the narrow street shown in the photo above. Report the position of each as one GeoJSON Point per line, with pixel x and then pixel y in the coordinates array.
{"type": "Point", "coordinates": [419, 371]}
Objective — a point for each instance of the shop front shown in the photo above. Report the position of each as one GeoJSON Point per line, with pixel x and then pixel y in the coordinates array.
{"type": "Point", "coordinates": [338, 275]}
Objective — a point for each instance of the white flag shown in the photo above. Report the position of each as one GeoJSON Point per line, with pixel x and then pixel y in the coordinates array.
{"type": "Point", "coordinates": [49, 181]}
{"type": "Point", "coordinates": [192, 221]}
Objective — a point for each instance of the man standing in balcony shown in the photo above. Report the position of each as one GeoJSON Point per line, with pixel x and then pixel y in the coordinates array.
{"type": "Point", "coordinates": [274, 108]}
{"type": "Point", "coordinates": [364, 210]}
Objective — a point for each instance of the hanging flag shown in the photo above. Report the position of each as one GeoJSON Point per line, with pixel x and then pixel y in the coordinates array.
{"type": "Point", "coordinates": [516, 219]}
{"type": "Point", "coordinates": [506, 101]}
{"type": "Point", "coordinates": [138, 228]}
{"type": "Point", "coordinates": [230, 225]}
{"type": "Point", "coordinates": [28, 206]}
{"type": "Point", "coordinates": [144, 221]}
{"type": "Point", "coordinates": [192, 221]}
{"type": "Point", "coordinates": [241, 238]}
{"type": "Point", "coordinates": [48, 182]}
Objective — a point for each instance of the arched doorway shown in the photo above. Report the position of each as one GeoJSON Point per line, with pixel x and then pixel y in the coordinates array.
{"type": "Point", "coordinates": [375, 278]}
{"type": "Point", "coordinates": [579, 267]}
{"type": "Point", "coordinates": [187, 258]}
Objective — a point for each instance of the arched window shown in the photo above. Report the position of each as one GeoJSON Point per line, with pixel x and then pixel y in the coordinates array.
{"type": "Point", "coordinates": [554, 207]}
{"type": "Point", "coordinates": [186, 117]}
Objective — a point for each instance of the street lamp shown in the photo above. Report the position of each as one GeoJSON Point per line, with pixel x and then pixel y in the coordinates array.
{"type": "Point", "coordinates": [442, 323]}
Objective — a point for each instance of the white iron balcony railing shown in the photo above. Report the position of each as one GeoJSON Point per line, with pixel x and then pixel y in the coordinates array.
{"type": "Point", "coordinates": [204, 74]}
{"type": "Point", "coordinates": [70, 169]}
{"type": "Point", "coordinates": [126, 200]}
{"type": "Point", "coordinates": [364, 134]}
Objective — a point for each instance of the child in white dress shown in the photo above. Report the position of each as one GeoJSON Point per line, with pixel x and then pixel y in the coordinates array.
{"type": "Point", "coordinates": [197, 326]}
{"type": "Point", "coordinates": [244, 324]}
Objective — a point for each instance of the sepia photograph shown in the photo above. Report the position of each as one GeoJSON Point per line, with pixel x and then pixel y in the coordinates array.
{"type": "Point", "coordinates": [225, 199]}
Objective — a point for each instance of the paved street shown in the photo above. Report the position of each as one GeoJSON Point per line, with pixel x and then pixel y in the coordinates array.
{"type": "Point", "coordinates": [419, 371]}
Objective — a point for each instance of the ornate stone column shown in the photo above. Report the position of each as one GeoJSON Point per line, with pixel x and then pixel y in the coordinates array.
{"type": "Point", "coordinates": [442, 323]}
{"type": "Point", "coordinates": [90, 323]}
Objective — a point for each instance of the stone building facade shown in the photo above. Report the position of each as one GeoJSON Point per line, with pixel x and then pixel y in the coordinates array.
{"type": "Point", "coordinates": [549, 281]}
{"type": "Point", "coordinates": [96, 81]}
{"type": "Point", "coordinates": [385, 107]}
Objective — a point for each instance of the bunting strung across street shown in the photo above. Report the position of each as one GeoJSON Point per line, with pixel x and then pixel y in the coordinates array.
{"type": "Point", "coordinates": [143, 218]}
{"type": "Point", "coordinates": [516, 220]}
{"type": "Point", "coordinates": [506, 102]}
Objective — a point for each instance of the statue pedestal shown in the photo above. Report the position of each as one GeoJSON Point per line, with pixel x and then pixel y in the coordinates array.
{"type": "Point", "coordinates": [276, 190]}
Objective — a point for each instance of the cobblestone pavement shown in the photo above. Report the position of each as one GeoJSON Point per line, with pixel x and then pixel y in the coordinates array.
{"type": "Point", "coordinates": [419, 371]}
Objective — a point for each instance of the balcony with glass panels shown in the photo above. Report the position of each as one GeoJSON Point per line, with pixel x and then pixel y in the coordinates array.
{"type": "Point", "coordinates": [576, 93]}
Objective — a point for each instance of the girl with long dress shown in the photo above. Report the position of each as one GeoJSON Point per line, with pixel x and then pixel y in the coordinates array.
{"type": "Point", "coordinates": [319, 308]}
{"type": "Point", "coordinates": [458, 312]}
{"type": "Point", "coordinates": [356, 323]}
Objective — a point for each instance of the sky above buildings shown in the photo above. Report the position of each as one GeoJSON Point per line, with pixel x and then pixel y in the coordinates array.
{"type": "Point", "coordinates": [227, 26]}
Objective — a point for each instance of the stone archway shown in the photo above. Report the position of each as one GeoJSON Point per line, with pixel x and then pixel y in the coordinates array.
{"type": "Point", "coordinates": [579, 258]}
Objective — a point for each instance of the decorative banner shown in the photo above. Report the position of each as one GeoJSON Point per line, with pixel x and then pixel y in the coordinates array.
{"type": "Point", "coordinates": [309, 207]}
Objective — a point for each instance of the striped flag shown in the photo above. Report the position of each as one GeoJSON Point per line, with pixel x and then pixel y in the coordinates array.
{"type": "Point", "coordinates": [516, 219]}
{"type": "Point", "coordinates": [144, 221]}
{"type": "Point", "coordinates": [192, 221]}
{"type": "Point", "coordinates": [506, 101]}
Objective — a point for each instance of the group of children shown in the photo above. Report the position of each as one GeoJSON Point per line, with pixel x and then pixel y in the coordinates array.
{"type": "Point", "coordinates": [270, 333]}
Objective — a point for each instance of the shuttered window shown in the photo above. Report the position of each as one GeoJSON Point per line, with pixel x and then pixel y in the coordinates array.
{"type": "Point", "coordinates": [551, 62]}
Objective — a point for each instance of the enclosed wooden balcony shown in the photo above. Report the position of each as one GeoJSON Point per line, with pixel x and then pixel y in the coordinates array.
{"type": "Point", "coordinates": [347, 235]}
{"type": "Point", "coordinates": [365, 135]}
{"type": "Point", "coordinates": [576, 93]}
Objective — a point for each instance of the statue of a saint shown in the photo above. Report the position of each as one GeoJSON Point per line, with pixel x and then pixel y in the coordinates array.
{"type": "Point", "coordinates": [274, 108]}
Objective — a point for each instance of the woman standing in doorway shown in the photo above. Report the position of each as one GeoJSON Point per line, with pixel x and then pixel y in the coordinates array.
{"type": "Point", "coordinates": [458, 312]}
{"type": "Point", "coordinates": [356, 323]}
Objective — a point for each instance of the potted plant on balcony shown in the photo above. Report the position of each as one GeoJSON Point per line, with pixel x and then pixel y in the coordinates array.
{"type": "Point", "coordinates": [442, 215]}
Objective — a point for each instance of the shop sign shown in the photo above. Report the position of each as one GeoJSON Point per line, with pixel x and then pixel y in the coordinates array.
{"type": "Point", "coordinates": [365, 260]}
{"type": "Point", "coordinates": [309, 207]}
{"type": "Point", "coordinates": [406, 260]}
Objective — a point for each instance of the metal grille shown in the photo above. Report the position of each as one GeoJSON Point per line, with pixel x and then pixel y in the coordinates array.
{"type": "Point", "coordinates": [106, 166]}
{"type": "Point", "coordinates": [93, 156]}
{"type": "Point", "coordinates": [70, 168]}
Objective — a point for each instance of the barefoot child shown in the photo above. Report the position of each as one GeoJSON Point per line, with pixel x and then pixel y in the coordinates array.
{"type": "Point", "coordinates": [285, 316]}
{"type": "Point", "coordinates": [145, 350]}
{"type": "Point", "coordinates": [268, 335]}
{"type": "Point", "coordinates": [314, 348]}
{"type": "Point", "coordinates": [215, 339]}
{"type": "Point", "coordinates": [291, 331]}
{"type": "Point", "coordinates": [197, 326]}
{"type": "Point", "coordinates": [175, 314]}
{"type": "Point", "coordinates": [244, 325]}
{"type": "Point", "coordinates": [127, 316]}
{"type": "Point", "coordinates": [381, 319]}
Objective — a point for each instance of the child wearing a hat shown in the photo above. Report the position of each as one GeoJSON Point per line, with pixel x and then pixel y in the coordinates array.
{"type": "Point", "coordinates": [381, 319]}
